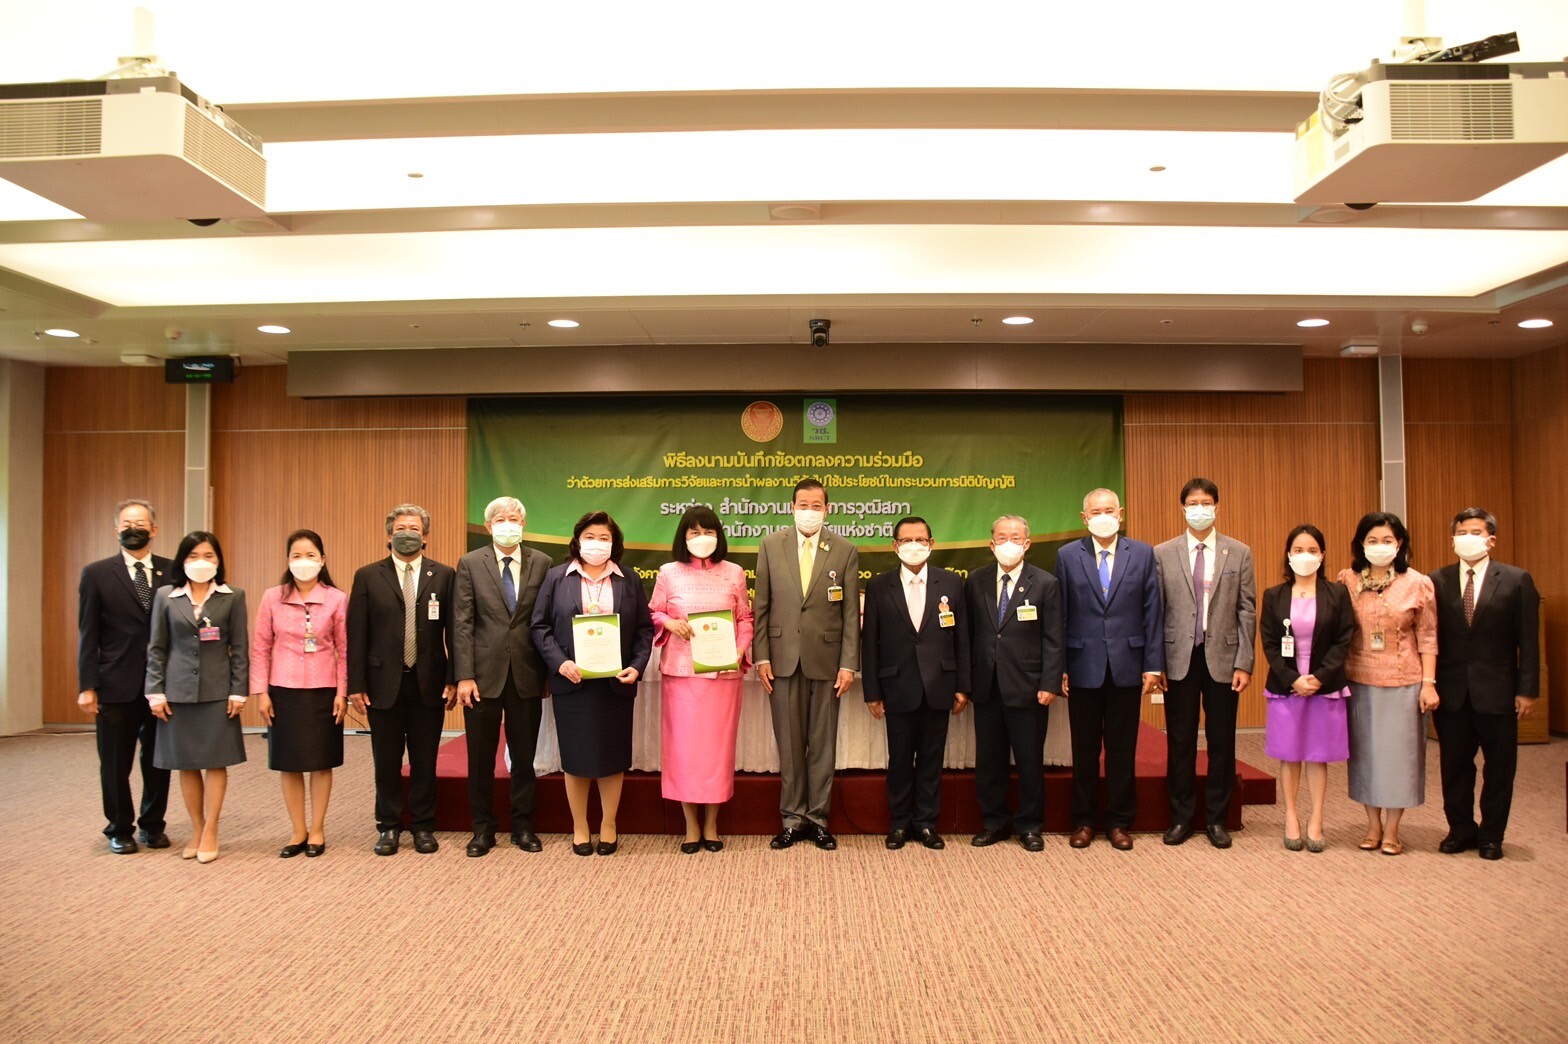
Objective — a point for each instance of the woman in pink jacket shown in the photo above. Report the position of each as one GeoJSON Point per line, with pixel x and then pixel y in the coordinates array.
{"type": "Point", "coordinates": [299, 667]}
{"type": "Point", "coordinates": [700, 708]}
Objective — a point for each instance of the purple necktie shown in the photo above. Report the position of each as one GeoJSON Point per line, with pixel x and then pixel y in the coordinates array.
{"type": "Point", "coordinates": [1197, 593]}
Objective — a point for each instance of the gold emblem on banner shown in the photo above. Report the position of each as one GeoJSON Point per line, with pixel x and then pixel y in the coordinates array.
{"type": "Point", "coordinates": [762, 421]}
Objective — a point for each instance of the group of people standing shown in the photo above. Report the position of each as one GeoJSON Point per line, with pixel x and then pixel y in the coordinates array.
{"type": "Point", "coordinates": [167, 660]}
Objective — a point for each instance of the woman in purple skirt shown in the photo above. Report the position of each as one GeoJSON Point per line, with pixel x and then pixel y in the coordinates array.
{"type": "Point", "coordinates": [1306, 625]}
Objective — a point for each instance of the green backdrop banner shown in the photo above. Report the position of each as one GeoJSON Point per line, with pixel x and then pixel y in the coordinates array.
{"type": "Point", "coordinates": [959, 461]}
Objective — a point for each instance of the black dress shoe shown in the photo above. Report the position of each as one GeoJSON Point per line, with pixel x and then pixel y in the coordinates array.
{"type": "Point", "coordinates": [691, 847]}
{"type": "Point", "coordinates": [608, 847]}
{"type": "Point", "coordinates": [1452, 845]}
{"type": "Point", "coordinates": [480, 844]}
{"type": "Point", "coordinates": [291, 850]}
{"type": "Point", "coordinates": [822, 839]}
{"type": "Point", "coordinates": [990, 837]}
{"type": "Point", "coordinates": [1219, 837]}
{"type": "Point", "coordinates": [896, 839]}
{"type": "Point", "coordinates": [711, 845]}
{"type": "Point", "coordinates": [1491, 849]}
{"type": "Point", "coordinates": [1031, 841]}
{"type": "Point", "coordinates": [425, 842]}
{"type": "Point", "coordinates": [930, 838]}
{"type": "Point", "coordinates": [584, 849]}
{"type": "Point", "coordinates": [122, 845]}
{"type": "Point", "coordinates": [312, 851]}
{"type": "Point", "coordinates": [1178, 833]}
{"type": "Point", "coordinates": [386, 843]}
{"type": "Point", "coordinates": [150, 840]}
{"type": "Point", "coordinates": [527, 840]}
{"type": "Point", "coordinates": [788, 836]}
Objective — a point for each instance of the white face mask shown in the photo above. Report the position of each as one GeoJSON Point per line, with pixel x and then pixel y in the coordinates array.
{"type": "Point", "coordinates": [1305, 563]}
{"type": "Point", "coordinates": [199, 570]}
{"type": "Point", "coordinates": [1380, 554]}
{"type": "Point", "coordinates": [913, 554]}
{"type": "Point", "coordinates": [1104, 526]}
{"type": "Point", "coordinates": [594, 552]}
{"type": "Point", "coordinates": [807, 521]}
{"type": "Point", "coordinates": [1470, 546]}
{"type": "Point", "coordinates": [1008, 554]}
{"type": "Point", "coordinates": [703, 545]}
{"type": "Point", "coordinates": [304, 569]}
{"type": "Point", "coordinates": [506, 534]}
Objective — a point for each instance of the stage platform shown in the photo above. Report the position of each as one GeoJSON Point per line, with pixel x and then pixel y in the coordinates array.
{"type": "Point", "coordinates": [859, 798]}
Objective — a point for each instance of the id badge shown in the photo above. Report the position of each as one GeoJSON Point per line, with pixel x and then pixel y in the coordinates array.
{"type": "Point", "coordinates": [835, 593]}
{"type": "Point", "coordinates": [1287, 647]}
{"type": "Point", "coordinates": [1377, 644]}
{"type": "Point", "coordinates": [944, 619]}
{"type": "Point", "coordinates": [310, 643]}
{"type": "Point", "coordinates": [434, 610]}
{"type": "Point", "coordinates": [1028, 613]}
{"type": "Point", "coordinates": [210, 634]}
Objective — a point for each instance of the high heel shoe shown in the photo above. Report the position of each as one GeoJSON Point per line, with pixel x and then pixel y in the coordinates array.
{"type": "Point", "coordinates": [691, 847]}
{"type": "Point", "coordinates": [292, 849]}
{"type": "Point", "coordinates": [189, 853]}
{"type": "Point", "coordinates": [1294, 844]}
{"type": "Point", "coordinates": [206, 857]}
{"type": "Point", "coordinates": [608, 847]}
{"type": "Point", "coordinates": [584, 849]}
{"type": "Point", "coordinates": [712, 845]}
{"type": "Point", "coordinates": [1315, 844]}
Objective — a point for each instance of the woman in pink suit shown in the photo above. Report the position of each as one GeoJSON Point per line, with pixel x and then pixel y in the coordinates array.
{"type": "Point", "coordinates": [700, 711]}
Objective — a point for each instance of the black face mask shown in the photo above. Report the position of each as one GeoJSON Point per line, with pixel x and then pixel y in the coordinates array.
{"type": "Point", "coordinates": [134, 538]}
{"type": "Point", "coordinates": [406, 542]}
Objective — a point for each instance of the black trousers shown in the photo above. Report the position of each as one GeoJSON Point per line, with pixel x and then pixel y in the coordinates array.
{"type": "Point", "coordinates": [1460, 733]}
{"type": "Point", "coordinates": [119, 727]}
{"type": "Point", "coordinates": [409, 723]}
{"type": "Point", "coordinates": [1020, 731]}
{"type": "Point", "coordinates": [1106, 715]}
{"type": "Point", "coordinates": [484, 722]}
{"type": "Point", "coordinates": [915, 742]}
{"type": "Point", "coordinates": [1219, 703]}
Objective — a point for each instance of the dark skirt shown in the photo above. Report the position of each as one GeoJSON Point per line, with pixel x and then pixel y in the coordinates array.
{"type": "Point", "coordinates": [303, 736]}
{"type": "Point", "coordinates": [593, 727]}
{"type": "Point", "coordinates": [199, 736]}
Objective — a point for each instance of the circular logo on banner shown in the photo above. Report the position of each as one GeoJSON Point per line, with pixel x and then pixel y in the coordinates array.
{"type": "Point", "coordinates": [820, 414]}
{"type": "Point", "coordinates": [762, 421]}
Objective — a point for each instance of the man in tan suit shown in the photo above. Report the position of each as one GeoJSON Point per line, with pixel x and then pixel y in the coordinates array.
{"type": "Point", "coordinates": [1210, 597]}
{"type": "Point", "coordinates": [806, 647]}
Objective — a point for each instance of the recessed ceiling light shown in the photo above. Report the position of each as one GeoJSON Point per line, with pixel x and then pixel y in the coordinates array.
{"type": "Point", "coordinates": [1156, 169]}
{"type": "Point", "coordinates": [1535, 324]}
{"type": "Point", "coordinates": [416, 175]}
{"type": "Point", "coordinates": [1312, 322]}
{"type": "Point", "coordinates": [1018, 320]}
{"type": "Point", "coordinates": [60, 331]}
{"type": "Point", "coordinates": [273, 328]}
{"type": "Point", "coordinates": [564, 324]}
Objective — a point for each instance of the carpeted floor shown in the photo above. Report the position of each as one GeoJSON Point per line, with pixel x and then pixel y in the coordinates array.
{"type": "Point", "coordinates": [1159, 944]}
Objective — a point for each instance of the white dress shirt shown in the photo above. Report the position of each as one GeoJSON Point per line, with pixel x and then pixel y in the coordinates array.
{"type": "Point", "coordinates": [1012, 583]}
{"type": "Point", "coordinates": [1201, 597]}
{"type": "Point", "coordinates": [914, 593]}
{"type": "Point", "coordinates": [130, 565]}
{"type": "Point", "coordinates": [1098, 549]}
{"type": "Point", "coordinates": [1480, 575]}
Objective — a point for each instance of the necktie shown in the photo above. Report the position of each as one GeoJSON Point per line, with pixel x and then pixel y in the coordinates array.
{"type": "Point", "coordinates": [1105, 573]}
{"type": "Point", "coordinates": [1001, 603]}
{"type": "Point", "coordinates": [410, 647]}
{"type": "Point", "coordinates": [917, 600]}
{"type": "Point", "coordinates": [1469, 596]}
{"type": "Point", "coordinates": [806, 561]}
{"type": "Point", "coordinates": [508, 585]}
{"type": "Point", "coordinates": [144, 589]}
{"type": "Point", "coordinates": [1197, 593]}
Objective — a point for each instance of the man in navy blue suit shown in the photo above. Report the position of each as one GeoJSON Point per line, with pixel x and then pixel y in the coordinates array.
{"type": "Point", "coordinates": [1115, 637]}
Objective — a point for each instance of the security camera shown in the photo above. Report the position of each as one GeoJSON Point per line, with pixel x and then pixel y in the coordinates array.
{"type": "Point", "coordinates": [819, 331]}
{"type": "Point", "coordinates": [1418, 327]}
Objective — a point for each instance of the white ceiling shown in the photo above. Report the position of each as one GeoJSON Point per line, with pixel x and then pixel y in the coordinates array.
{"type": "Point", "coordinates": [963, 169]}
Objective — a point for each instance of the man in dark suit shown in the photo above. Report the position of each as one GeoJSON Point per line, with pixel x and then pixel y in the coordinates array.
{"type": "Point", "coordinates": [1015, 618]}
{"type": "Point", "coordinates": [400, 674]}
{"type": "Point", "coordinates": [500, 677]}
{"type": "Point", "coordinates": [1115, 630]}
{"type": "Point", "coordinates": [1488, 678]}
{"type": "Point", "coordinates": [113, 617]}
{"type": "Point", "coordinates": [914, 663]}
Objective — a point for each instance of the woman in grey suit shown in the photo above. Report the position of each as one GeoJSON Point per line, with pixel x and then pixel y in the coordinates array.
{"type": "Point", "coordinates": [197, 676]}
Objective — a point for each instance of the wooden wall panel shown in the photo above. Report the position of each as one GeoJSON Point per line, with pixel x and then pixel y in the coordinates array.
{"type": "Point", "coordinates": [1458, 451]}
{"type": "Point", "coordinates": [281, 464]}
{"type": "Point", "coordinates": [1310, 456]}
{"type": "Point", "coordinates": [1540, 400]}
{"type": "Point", "coordinates": [109, 434]}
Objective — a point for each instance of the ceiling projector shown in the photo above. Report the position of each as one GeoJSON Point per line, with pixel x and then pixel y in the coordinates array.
{"type": "Point", "coordinates": [136, 149]}
{"type": "Point", "coordinates": [1430, 132]}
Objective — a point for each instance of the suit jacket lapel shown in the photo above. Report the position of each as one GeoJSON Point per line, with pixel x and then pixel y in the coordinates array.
{"type": "Point", "coordinates": [819, 559]}
{"type": "Point", "coordinates": [1494, 576]}
{"type": "Point", "coordinates": [1118, 568]}
{"type": "Point", "coordinates": [1184, 561]}
{"type": "Point", "coordinates": [394, 579]}
{"type": "Point", "coordinates": [1089, 564]}
{"type": "Point", "coordinates": [130, 586]}
{"type": "Point", "coordinates": [789, 547]}
{"type": "Point", "coordinates": [1320, 624]}
{"type": "Point", "coordinates": [988, 594]}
